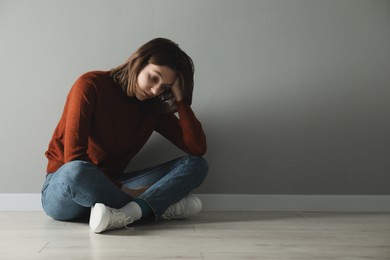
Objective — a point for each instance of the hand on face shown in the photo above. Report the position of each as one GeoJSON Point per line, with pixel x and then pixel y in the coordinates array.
{"type": "Point", "coordinates": [177, 90]}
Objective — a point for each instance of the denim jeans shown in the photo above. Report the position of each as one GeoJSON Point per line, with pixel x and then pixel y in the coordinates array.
{"type": "Point", "coordinates": [71, 191]}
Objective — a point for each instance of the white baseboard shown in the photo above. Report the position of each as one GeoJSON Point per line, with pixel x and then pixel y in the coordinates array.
{"type": "Point", "coordinates": [247, 202]}
{"type": "Point", "coordinates": [242, 202]}
{"type": "Point", "coordinates": [20, 202]}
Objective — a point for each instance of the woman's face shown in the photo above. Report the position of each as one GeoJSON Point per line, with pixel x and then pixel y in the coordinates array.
{"type": "Point", "coordinates": [153, 80]}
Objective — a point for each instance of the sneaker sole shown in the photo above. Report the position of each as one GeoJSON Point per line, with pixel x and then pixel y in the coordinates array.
{"type": "Point", "coordinates": [97, 221]}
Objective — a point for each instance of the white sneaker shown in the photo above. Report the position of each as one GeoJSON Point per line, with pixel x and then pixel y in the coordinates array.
{"type": "Point", "coordinates": [186, 207]}
{"type": "Point", "coordinates": [105, 218]}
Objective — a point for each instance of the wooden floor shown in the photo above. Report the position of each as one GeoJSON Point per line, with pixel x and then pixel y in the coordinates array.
{"type": "Point", "coordinates": [217, 235]}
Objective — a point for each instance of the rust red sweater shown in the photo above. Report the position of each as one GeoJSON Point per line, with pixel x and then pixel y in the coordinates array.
{"type": "Point", "coordinates": [102, 125]}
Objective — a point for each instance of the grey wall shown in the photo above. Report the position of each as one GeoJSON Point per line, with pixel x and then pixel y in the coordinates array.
{"type": "Point", "coordinates": [294, 95]}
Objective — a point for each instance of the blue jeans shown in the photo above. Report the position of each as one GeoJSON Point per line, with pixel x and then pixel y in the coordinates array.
{"type": "Point", "coordinates": [71, 191]}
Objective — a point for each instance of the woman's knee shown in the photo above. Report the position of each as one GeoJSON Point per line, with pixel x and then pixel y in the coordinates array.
{"type": "Point", "coordinates": [75, 172]}
{"type": "Point", "coordinates": [199, 161]}
{"type": "Point", "coordinates": [61, 211]}
{"type": "Point", "coordinates": [58, 194]}
{"type": "Point", "coordinates": [200, 165]}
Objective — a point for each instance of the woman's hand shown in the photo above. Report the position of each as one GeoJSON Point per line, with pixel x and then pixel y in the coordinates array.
{"type": "Point", "coordinates": [176, 89]}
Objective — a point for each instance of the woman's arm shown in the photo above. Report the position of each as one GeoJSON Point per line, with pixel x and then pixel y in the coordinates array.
{"type": "Point", "coordinates": [80, 104]}
{"type": "Point", "coordinates": [186, 132]}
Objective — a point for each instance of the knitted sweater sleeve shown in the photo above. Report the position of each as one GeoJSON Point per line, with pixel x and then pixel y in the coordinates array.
{"type": "Point", "coordinates": [185, 132]}
{"type": "Point", "coordinates": [80, 107]}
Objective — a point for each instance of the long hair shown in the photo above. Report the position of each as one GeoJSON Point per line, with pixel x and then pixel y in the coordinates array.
{"type": "Point", "coordinates": [162, 52]}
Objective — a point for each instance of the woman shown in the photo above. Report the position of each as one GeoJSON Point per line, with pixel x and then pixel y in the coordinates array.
{"type": "Point", "coordinates": [108, 117]}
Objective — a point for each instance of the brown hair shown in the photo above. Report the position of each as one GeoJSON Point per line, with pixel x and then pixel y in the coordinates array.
{"type": "Point", "coordinates": [162, 52]}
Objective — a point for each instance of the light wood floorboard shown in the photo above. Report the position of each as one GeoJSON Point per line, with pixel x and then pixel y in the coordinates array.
{"type": "Point", "coordinates": [211, 235]}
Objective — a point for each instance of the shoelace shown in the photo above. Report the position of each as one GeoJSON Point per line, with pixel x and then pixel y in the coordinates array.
{"type": "Point", "coordinates": [119, 220]}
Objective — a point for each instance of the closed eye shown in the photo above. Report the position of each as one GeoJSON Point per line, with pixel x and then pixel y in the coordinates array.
{"type": "Point", "coordinates": [154, 78]}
